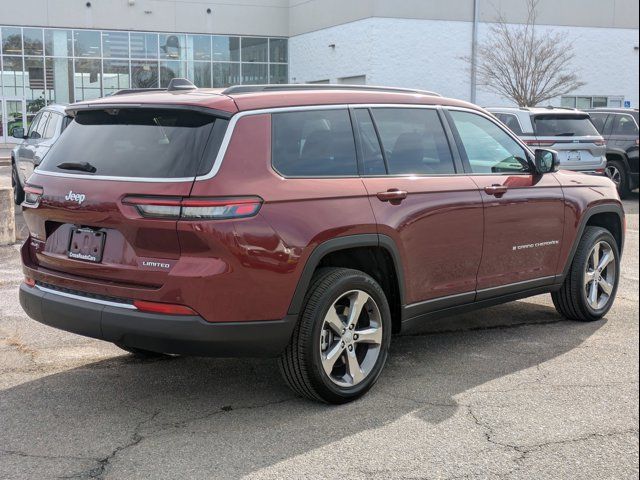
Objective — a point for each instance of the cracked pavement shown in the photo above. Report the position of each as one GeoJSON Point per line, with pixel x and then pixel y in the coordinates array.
{"type": "Point", "coordinates": [509, 392]}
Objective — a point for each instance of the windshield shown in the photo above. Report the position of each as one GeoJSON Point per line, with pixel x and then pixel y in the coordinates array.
{"type": "Point", "coordinates": [137, 142]}
{"type": "Point", "coordinates": [558, 125]}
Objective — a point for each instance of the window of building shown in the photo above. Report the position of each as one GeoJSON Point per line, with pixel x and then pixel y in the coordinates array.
{"type": "Point", "coordinates": [144, 45]}
{"type": "Point", "coordinates": [115, 44]}
{"type": "Point", "coordinates": [583, 102]}
{"type": "Point", "coordinates": [32, 38]}
{"type": "Point", "coordinates": [86, 43]}
{"type": "Point", "coordinates": [254, 50]}
{"type": "Point", "coordinates": [413, 141]}
{"type": "Point", "coordinates": [11, 41]}
{"type": "Point", "coordinates": [226, 49]}
{"type": "Point", "coordinates": [316, 143]}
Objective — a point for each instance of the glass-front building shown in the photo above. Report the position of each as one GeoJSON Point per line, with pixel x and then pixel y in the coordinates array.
{"type": "Point", "coordinates": [40, 66]}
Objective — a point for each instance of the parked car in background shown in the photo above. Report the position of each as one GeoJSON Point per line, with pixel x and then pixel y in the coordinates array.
{"type": "Point", "coordinates": [307, 222]}
{"type": "Point", "coordinates": [619, 127]}
{"type": "Point", "coordinates": [570, 132]}
{"type": "Point", "coordinates": [43, 132]}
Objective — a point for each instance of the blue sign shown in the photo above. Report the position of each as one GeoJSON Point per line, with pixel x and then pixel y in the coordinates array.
{"type": "Point", "coordinates": [627, 104]}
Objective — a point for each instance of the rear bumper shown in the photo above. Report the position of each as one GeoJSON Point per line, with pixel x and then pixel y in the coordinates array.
{"type": "Point", "coordinates": [189, 335]}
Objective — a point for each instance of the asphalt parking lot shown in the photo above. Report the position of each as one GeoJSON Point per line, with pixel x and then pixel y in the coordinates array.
{"type": "Point", "coordinates": [508, 392]}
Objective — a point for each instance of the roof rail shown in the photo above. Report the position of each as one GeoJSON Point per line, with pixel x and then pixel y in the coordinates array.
{"type": "Point", "coordinates": [239, 89]}
{"type": "Point", "coordinates": [125, 91]}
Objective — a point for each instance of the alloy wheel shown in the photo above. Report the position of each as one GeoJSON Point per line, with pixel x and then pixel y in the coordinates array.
{"type": "Point", "coordinates": [613, 173]}
{"type": "Point", "coordinates": [351, 338]}
{"type": "Point", "coordinates": [600, 275]}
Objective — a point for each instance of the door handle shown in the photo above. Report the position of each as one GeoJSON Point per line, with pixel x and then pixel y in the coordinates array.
{"type": "Point", "coordinates": [392, 195]}
{"type": "Point", "coordinates": [496, 190]}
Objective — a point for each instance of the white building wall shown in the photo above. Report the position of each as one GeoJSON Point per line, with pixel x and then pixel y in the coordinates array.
{"type": "Point", "coordinates": [429, 54]}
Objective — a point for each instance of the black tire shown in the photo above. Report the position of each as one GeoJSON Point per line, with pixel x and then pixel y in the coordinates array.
{"type": "Point", "coordinates": [18, 192]}
{"type": "Point", "coordinates": [622, 179]}
{"type": "Point", "coordinates": [300, 363]}
{"type": "Point", "coordinates": [139, 352]}
{"type": "Point", "coordinates": [571, 300]}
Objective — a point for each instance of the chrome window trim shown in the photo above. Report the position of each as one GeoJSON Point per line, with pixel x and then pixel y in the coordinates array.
{"type": "Point", "coordinates": [239, 115]}
{"type": "Point", "coordinates": [86, 299]}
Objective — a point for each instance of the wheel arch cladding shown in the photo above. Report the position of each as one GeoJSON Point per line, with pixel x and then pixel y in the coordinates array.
{"type": "Point", "coordinates": [608, 216]}
{"type": "Point", "coordinates": [376, 255]}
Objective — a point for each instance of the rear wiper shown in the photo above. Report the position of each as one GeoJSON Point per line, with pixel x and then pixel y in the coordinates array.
{"type": "Point", "coordinates": [82, 166]}
{"type": "Point", "coordinates": [566, 134]}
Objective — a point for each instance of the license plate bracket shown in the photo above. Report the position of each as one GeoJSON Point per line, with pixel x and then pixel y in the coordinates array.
{"type": "Point", "coordinates": [86, 244]}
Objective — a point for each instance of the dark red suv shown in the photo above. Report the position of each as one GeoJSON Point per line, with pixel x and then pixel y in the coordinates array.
{"type": "Point", "coordinates": [305, 222]}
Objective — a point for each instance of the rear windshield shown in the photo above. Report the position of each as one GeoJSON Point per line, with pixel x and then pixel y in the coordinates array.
{"type": "Point", "coordinates": [140, 142]}
{"type": "Point", "coordinates": [554, 125]}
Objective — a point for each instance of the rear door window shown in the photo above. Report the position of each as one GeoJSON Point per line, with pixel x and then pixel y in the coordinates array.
{"type": "Point", "coordinates": [138, 142]}
{"type": "Point", "coordinates": [558, 125]}
{"type": "Point", "coordinates": [314, 143]}
{"type": "Point", "coordinates": [625, 125]}
{"type": "Point", "coordinates": [413, 141]}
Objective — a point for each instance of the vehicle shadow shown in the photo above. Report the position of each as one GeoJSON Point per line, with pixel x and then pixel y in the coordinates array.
{"type": "Point", "coordinates": [235, 416]}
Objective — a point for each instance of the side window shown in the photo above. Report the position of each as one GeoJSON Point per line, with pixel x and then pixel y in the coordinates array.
{"type": "Point", "coordinates": [315, 143]}
{"type": "Point", "coordinates": [34, 125]}
{"type": "Point", "coordinates": [625, 125]}
{"type": "Point", "coordinates": [42, 125]}
{"type": "Point", "coordinates": [52, 126]}
{"type": "Point", "coordinates": [510, 121]}
{"type": "Point", "coordinates": [487, 147]}
{"type": "Point", "coordinates": [414, 141]}
{"type": "Point", "coordinates": [369, 144]}
{"type": "Point", "coordinates": [599, 120]}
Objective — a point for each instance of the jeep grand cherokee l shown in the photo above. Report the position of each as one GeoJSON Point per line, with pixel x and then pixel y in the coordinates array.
{"type": "Point", "coordinates": [303, 222]}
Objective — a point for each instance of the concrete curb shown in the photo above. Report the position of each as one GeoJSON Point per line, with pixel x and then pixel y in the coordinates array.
{"type": "Point", "coordinates": [7, 217]}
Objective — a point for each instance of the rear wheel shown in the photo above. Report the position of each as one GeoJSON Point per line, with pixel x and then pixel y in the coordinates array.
{"type": "Point", "coordinates": [340, 344]}
{"type": "Point", "coordinates": [591, 284]}
{"type": "Point", "coordinates": [18, 192]}
{"type": "Point", "coordinates": [616, 170]}
{"type": "Point", "coordinates": [139, 352]}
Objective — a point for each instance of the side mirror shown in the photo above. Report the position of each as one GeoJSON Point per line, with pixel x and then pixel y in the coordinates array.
{"type": "Point", "coordinates": [18, 132]}
{"type": "Point", "coordinates": [546, 161]}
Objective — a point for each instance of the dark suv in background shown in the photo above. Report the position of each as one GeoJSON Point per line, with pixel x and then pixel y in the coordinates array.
{"type": "Point", "coordinates": [619, 127]}
{"type": "Point", "coordinates": [303, 222]}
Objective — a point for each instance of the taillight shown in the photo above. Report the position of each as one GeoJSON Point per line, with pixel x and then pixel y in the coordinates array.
{"type": "Point", "coordinates": [195, 208]}
{"type": "Point", "coordinates": [165, 308]}
{"type": "Point", "coordinates": [32, 196]}
{"type": "Point", "coordinates": [540, 143]}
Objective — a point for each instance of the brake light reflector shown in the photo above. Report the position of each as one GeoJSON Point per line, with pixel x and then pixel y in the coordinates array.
{"type": "Point", "coordinates": [29, 282]}
{"type": "Point", "coordinates": [189, 208]}
{"type": "Point", "coordinates": [32, 196]}
{"type": "Point", "coordinates": [166, 308]}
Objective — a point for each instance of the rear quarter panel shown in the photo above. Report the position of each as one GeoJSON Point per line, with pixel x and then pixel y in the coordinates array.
{"type": "Point", "coordinates": [266, 254]}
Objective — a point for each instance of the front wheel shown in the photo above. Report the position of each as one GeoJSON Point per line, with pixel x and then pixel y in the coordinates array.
{"type": "Point", "coordinates": [590, 287]}
{"type": "Point", "coordinates": [341, 341]}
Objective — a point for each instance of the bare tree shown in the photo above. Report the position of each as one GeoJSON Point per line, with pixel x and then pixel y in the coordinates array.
{"type": "Point", "coordinates": [520, 63]}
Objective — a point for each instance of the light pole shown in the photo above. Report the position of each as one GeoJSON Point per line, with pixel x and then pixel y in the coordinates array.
{"type": "Point", "coordinates": [474, 50]}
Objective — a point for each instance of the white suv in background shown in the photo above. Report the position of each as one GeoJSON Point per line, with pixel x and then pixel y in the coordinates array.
{"type": "Point", "coordinates": [568, 131]}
